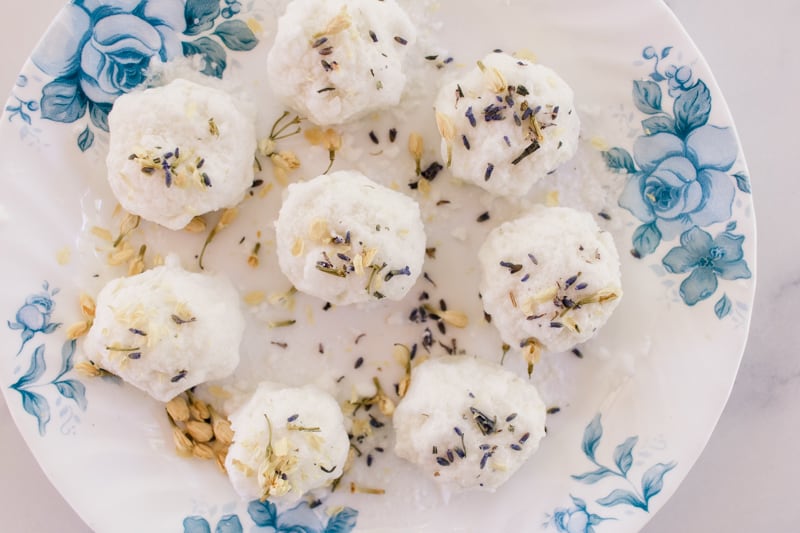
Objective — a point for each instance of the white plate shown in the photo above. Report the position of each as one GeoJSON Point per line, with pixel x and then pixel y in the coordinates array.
{"type": "Point", "coordinates": [635, 412]}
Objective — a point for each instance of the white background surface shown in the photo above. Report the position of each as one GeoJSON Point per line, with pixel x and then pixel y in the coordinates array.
{"type": "Point", "coordinates": [745, 480]}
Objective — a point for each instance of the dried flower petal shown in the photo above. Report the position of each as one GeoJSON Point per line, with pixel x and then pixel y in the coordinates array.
{"type": "Point", "coordinates": [199, 431]}
{"type": "Point", "coordinates": [178, 409]}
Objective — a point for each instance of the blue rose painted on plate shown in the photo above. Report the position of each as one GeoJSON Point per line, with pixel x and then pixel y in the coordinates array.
{"type": "Point", "coordinates": [299, 519]}
{"type": "Point", "coordinates": [33, 318]}
{"type": "Point", "coordinates": [97, 50]}
{"type": "Point", "coordinates": [578, 518]}
{"type": "Point", "coordinates": [679, 179]}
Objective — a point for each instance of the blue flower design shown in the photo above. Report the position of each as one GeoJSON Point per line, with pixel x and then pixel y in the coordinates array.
{"type": "Point", "coordinates": [575, 519]}
{"type": "Point", "coordinates": [682, 182]}
{"type": "Point", "coordinates": [34, 316]}
{"type": "Point", "coordinates": [299, 519]}
{"type": "Point", "coordinates": [707, 259]}
{"type": "Point", "coordinates": [226, 524]}
{"type": "Point", "coordinates": [679, 179]}
{"type": "Point", "coordinates": [100, 49]}
{"type": "Point", "coordinates": [97, 50]}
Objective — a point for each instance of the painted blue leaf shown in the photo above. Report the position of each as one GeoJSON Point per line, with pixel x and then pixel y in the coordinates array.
{"type": "Point", "coordinates": [35, 370]}
{"type": "Point", "coordinates": [63, 101]}
{"type": "Point", "coordinates": [195, 524]}
{"type": "Point", "coordinates": [342, 522]}
{"type": "Point", "coordinates": [85, 139]}
{"type": "Point", "coordinates": [658, 124]}
{"type": "Point", "coordinates": [692, 108]}
{"type": "Point", "coordinates": [596, 519]}
{"type": "Point", "coordinates": [200, 15]}
{"type": "Point", "coordinates": [742, 182]}
{"type": "Point", "coordinates": [229, 524]}
{"type": "Point", "coordinates": [619, 159]}
{"type": "Point", "coordinates": [665, 52]}
{"type": "Point", "coordinates": [653, 479]}
{"type": "Point", "coordinates": [623, 455]}
{"type": "Point", "coordinates": [36, 405]}
{"type": "Point", "coordinates": [594, 476]}
{"type": "Point", "coordinates": [579, 503]}
{"type": "Point", "coordinates": [646, 239]}
{"type": "Point", "coordinates": [647, 96]}
{"type": "Point", "coordinates": [622, 497]}
{"type": "Point", "coordinates": [722, 307]}
{"type": "Point", "coordinates": [67, 351]}
{"type": "Point", "coordinates": [656, 76]}
{"type": "Point", "coordinates": [236, 35]}
{"type": "Point", "coordinates": [99, 115]}
{"type": "Point", "coordinates": [264, 514]}
{"type": "Point", "coordinates": [591, 436]}
{"type": "Point", "coordinates": [74, 390]}
{"type": "Point", "coordinates": [50, 328]}
{"type": "Point", "coordinates": [212, 52]}
{"type": "Point", "coordinates": [731, 226]}
{"type": "Point", "coordinates": [14, 325]}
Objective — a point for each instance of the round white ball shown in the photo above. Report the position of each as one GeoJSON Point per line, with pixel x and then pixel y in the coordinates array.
{"type": "Point", "coordinates": [467, 422]}
{"type": "Point", "coordinates": [335, 60]}
{"type": "Point", "coordinates": [203, 136]}
{"type": "Point", "coordinates": [487, 123]}
{"type": "Point", "coordinates": [303, 431]}
{"type": "Point", "coordinates": [166, 330]}
{"type": "Point", "coordinates": [552, 276]}
{"type": "Point", "coordinates": [343, 238]}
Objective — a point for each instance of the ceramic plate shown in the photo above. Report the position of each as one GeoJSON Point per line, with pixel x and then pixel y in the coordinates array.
{"type": "Point", "coordinates": [659, 166]}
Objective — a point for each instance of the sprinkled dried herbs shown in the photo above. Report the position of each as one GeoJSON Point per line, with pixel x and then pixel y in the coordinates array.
{"type": "Point", "coordinates": [513, 268]}
{"type": "Point", "coordinates": [400, 40]}
{"type": "Point", "coordinates": [180, 321]}
{"type": "Point", "coordinates": [531, 148]}
{"type": "Point", "coordinates": [488, 173]}
{"type": "Point", "coordinates": [483, 217]}
{"type": "Point", "coordinates": [486, 425]}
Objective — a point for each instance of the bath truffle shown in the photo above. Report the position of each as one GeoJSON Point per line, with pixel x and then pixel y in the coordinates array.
{"type": "Point", "coordinates": [550, 279]}
{"type": "Point", "coordinates": [468, 423]}
{"type": "Point", "coordinates": [287, 441]}
{"type": "Point", "coordinates": [166, 330]}
{"type": "Point", "coordinates": [345, 239]}
{"type": "Point", "coordinates": [179, 151]}
{"type": "Point", "coordinates": [334, 60]}
{"type": "Point", "coordinates": [506, 124]}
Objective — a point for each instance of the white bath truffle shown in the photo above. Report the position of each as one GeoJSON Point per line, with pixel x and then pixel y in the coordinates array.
{"type": "Point", "coordinates": [167, 330]}
{"type": "Point", "coordinates": [179, 151]}
{"type": "Point", "coordinates": [507, 124]}
{"type": "Point", "coordinates": [343, 238]}
{"type": "Point", "coordinates": [287, 441]}
{"type": "Point", "coordinates": [549, 279]}
{"type": "Point", "coordinates": [337, 60]}
{"type": "Point", "coordinates": [467, 422]}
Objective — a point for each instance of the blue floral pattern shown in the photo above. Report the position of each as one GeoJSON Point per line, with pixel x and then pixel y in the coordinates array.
{"type": "Point", "coordinates": [679, 179]}
{"type": "Point", "coordinates": [98, 50]}
{"type": "Point", "coordinates": [33, 318]}
{"type": "Point", "coordinates": [577, 518]}
{"type": "Point", "coordinates": [299, 519]}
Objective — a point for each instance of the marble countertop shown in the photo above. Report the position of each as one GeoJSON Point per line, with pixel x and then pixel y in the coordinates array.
{"type": "Point", "coordinates": [744, 479]}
